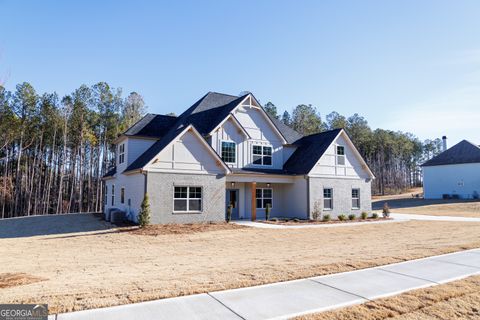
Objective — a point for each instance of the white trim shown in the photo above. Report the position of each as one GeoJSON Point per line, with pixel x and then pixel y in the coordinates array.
{"type": "Point", "coordinates": [235, 121]}
{"type": "Point", "coordinates": [359, 199]}
{"type": "Point", "coordinates": [337, 156]}
{"type": "Point", "coordinates": [221, 151]}
{"type": "Point", "coordinates": [323, 198]}
{"type": "Point", "coordinates": [187, 199]}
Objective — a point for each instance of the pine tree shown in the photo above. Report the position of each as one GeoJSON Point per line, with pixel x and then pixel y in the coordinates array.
{"type": "Point", "coordinates": [144, 216]}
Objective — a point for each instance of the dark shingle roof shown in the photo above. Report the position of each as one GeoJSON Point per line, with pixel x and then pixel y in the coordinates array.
{"type": "Point", "coordinates": [288, 133]}
{"type": "Point", "coordinates": [152, 125]}
{"type": "Point", "coordinates": [462, 152]}
{"type": "Point", "coordinates": [309, 150]}
{"type": "Point", "coordinates": [110, 173]}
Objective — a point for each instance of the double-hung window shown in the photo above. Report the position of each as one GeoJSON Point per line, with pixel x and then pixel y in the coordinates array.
{"type": "Point", "coordinates": [341, 155]}
{"type": "Point", "coordinates": [264, 196]}
{"type": "Point", "coordinates": [262, 155]}
{"type": "Point", "coordinates": [122, 195]}
{"type": "Point", "coordinates": [187, 199]}
{"type": "Point", "coordinates": [113, 194]}
{"type": "Point", "coordinates": [328, 199]}
{"type": "Point", "coordinates": [121, 153]}
{"type": "Point", "coordinates": [229, 152]}
{"type": "Point", "coordinates": [355, 198]}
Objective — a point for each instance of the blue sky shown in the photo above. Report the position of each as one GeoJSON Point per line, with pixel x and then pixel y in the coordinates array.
{"type": "Point", "coordinates": [404, 65]}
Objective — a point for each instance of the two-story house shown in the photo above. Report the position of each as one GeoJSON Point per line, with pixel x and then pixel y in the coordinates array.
{"type": "Point", "coordinates": [227, 150]}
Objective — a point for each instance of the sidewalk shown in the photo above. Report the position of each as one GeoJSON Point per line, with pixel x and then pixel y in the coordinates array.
{"type": "Point", "coordinates": [256, 224]}
{"type": "Point", "coordinates": [407, 216]}
{"type": "Point", "coordinates": [292, 298]}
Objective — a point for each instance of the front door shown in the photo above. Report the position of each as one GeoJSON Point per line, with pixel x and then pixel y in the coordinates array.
{"type": "Point", "coordinates": [232, 199]}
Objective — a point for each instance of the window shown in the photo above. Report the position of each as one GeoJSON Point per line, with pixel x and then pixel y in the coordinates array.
{"type": "Point", "coordinates": [113, 194]}
{"type": "Point", "coordinates": [328, 199]}
{"type": "Point", "coordinates": [262, 155]}
{"type": "Point", "coordinates": [187, 199]}
{"type": "Point", "coordinates": [264, 196]}
{"type": "Point", "coordinates": [121, 153]}
{"type": "Point", "coordinates": [341, 155]}
{"type": "Point", "coordinates": [106, 195]}
{"type": "Point", "coordinates": [122, 195]}
{"type": "Point", "coordinates": [228, 152]}
{"type": "Point", "coordinates": [355, 198]}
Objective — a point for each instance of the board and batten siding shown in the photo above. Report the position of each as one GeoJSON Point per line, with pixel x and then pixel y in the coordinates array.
{"type": "Point", "coordinates": [134, 185]}
{"type": "Point", "coordinates": [455, 179]}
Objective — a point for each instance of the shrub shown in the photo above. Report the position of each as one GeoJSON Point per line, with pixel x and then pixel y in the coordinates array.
{"type": "Point", "coordinates": [229, 212]}
{"type": "Point", "coordinates": [326, 217]}
{"type": "Point", "coordinates": [374, 215]}
{"type": "Point", "coordinates": [351, 217]}
{"type": "Point", "coordinates": [274, 219]}
{"type": "Point", "coordinates": [364, 215]}
{"type": "Point", "coordinates": [144, 216]}
{"type": "Point", "coordinates": [386, 210]}
{"type": "Point", "coordinates": [342, 217]}
{"type": "Point", "coordinates": [267, 211]}
{"type": "Point", "coordinates": [296, 220]}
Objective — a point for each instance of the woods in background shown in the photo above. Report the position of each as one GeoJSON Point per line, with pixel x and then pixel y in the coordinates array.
{"type": "Point", "coordinates": [393, 156]}
{"type": "Point", "coordinates": [54, 152]}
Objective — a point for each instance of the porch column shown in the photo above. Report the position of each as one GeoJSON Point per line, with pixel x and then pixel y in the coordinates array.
{"type": "Point", "coordinates": [253, 186]}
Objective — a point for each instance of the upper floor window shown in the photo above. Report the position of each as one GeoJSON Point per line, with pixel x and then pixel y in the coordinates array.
{"type": "Point", "coordinates": [229, 152]}
{"type": "Point", "coordinates": [328, 199]}
{"type": "Point", "coordinates": [355, 198]}
{"type": "Point", "coordinates": [187, 199]}
{"type": "Point", "coordinates": [341, 155]}
{"type": "Point", "coordinates": [121, 153]}
{"type": "Point", "coordinates": [262, 155]}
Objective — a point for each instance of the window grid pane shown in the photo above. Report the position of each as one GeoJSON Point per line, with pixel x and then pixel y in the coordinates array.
{"type": "Point", "coordinates": [186, 199]}
{"type": "Point", "coordinates": [262, 155]}
{"type": "Point", "coordinates": [228, 152]}
{"type": "Point", "coordinates": [264, 196]}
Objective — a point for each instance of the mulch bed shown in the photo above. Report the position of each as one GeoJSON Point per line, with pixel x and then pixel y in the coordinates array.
{"type": "Point", "coordinates": [303, 222]}
{"type": "Point", "coordinates": [164, 229]}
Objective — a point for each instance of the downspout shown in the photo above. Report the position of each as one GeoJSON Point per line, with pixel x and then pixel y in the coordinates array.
{"type": "Point", "coordinates": [145, 181]}
{"type": "Point", "coordinates": [308, 196]}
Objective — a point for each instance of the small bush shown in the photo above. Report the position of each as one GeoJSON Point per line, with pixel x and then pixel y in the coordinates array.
{"type": "Point", "coordinates": [342, 217]}
{"type": "Point", "coordinates": [326, 217]}
{"type": "Point", "coordinates": [351, 217]}
{"type": "Point", "coordinates": [274, 219]}
{"type": "Point", "coordinates": [374, 215]}
{"type": "Point", "coordinates": [296, 220]}
{"type": "Point", "coordinates": [229, 213]}
{"type": "Point", "coordinates": [144, 216]}
{"type": "Point", "coordinates": [386, 210]}
{"type": "Point", "coordinates": [364, 215]}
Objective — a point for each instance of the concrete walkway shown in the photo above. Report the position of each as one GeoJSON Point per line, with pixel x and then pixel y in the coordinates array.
{"type": "Point", "coordinates": [292, 298]}
{"type": "Point", "coordinates": [405, 216]}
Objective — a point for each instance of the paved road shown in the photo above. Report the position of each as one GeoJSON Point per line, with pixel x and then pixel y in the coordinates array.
{"type": "Point", "coordinates": [288, 299]}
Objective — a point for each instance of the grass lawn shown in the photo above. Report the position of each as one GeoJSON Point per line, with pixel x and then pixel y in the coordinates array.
{"type": "Point", "coordinates": [455, 300]}
{"type": "Point", "coordinates": [84, 270]}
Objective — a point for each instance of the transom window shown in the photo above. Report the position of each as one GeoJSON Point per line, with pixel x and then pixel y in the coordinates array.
{"type": "Point", "coordinates": [121, 153]}
{"type": "Point", "coordinates": [264, 196]}
{"type": "Point", "coordinates": [328, 199]}
{"type": "Point", "coordinates": [355, 198]}
{"type": "Point", "coordinates": [122, 195]}
{"type": "Point", "coordinates": [262, 155]}
{"type": "Point", "coordinates": [187, 199]}
{"type": "Point", "coordinates": [229, 152]}
{"type": "Point", "coordinates": [341, 155]}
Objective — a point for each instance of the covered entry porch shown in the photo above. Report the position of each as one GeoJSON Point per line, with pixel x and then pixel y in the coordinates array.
{"type": "Point", "coordinates": [250, 194]}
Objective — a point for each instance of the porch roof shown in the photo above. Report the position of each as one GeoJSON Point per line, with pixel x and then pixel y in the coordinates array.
{"type": "Point", "coordinates": [262, 171]}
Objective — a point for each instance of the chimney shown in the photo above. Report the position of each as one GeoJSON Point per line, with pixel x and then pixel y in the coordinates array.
{"type": "Point", "coordinates": [444, 144]}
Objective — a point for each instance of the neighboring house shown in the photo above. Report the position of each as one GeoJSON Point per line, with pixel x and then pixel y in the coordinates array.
{"type": "Point", "coordinates": [453, 173]}
{"type": "Point", "coordinates": [227, 150]}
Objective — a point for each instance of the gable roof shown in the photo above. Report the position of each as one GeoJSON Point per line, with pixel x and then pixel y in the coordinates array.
{"type": "Point", "coordinates": [462, 152]}
{"type": "Point", "coordinates": [288, 133]}
{"type": "Point", "coordinates": [309, 150]}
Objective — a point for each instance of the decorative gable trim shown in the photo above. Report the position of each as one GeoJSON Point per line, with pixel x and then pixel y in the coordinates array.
{"type": "Point", "coordinates": [209, 148]}
{"type": "Point", "coordinates": [235, 121]}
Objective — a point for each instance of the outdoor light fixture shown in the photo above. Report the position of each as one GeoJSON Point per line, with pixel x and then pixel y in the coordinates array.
{"type": "Point", "coordinates": [233, 184]}
{"type": "Point", "coordinates": [268, 185]}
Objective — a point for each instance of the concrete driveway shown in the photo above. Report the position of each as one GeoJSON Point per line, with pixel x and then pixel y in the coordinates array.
{"type": "Point", "coordinates": [292, 298]}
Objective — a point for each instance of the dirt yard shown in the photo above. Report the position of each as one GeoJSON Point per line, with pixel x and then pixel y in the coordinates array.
{"type": "Point", "coordinates": [455, 300]}
{"type": "Point", "coordinates": [82, 270]}
{"type": "Point", "coordinates": [405, 203]}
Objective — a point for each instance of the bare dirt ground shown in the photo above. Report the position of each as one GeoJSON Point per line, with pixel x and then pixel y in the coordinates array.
{"type": "Point", "coordinates": [455, 300]}
{"type": "Point", "coordinates": [405, 203]}
{"type": "Point", "coordinates": [83, 270]}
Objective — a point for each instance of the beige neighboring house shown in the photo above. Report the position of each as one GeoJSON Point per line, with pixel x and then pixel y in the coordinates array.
{"type": "Point", "coordinates": [226, 150]}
